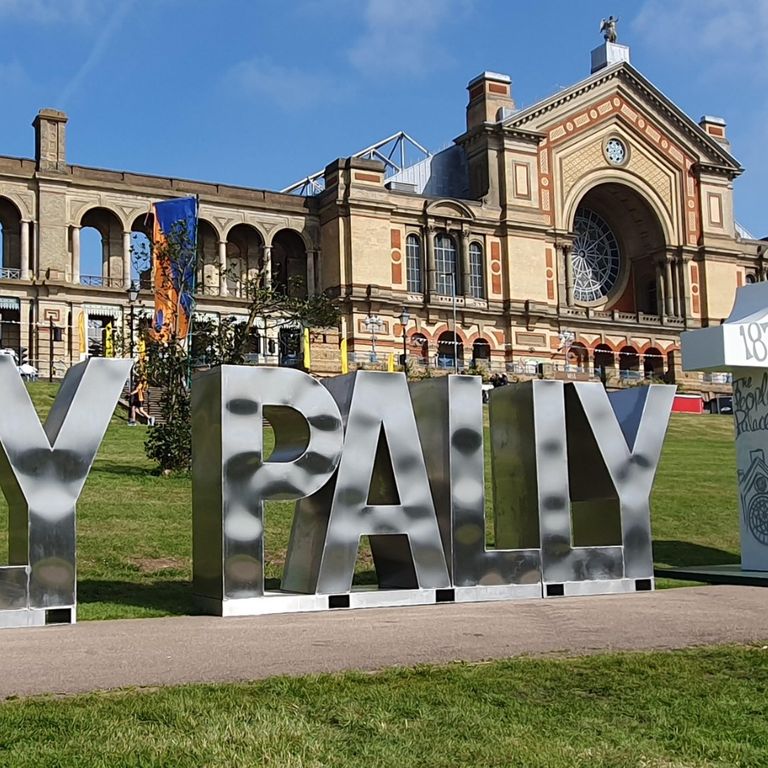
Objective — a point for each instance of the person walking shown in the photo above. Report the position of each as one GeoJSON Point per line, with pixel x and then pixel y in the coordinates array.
{"type": "Point", "coordinates": [136, 400]}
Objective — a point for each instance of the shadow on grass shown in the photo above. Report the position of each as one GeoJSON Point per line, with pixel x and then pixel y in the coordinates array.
{"type": "Point", "coordinates": [681, 553]}
{"type": "Point", "coordinates": [126, 470]}
{"type": "Point", "coordinates": [171, 597]}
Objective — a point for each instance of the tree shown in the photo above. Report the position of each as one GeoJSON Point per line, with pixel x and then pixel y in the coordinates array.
{"type": "Point", "coordinates": [173, 350]}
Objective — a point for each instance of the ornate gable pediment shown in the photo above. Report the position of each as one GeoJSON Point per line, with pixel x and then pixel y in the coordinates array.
{"type": "Point", "coordinates": [633, 100]}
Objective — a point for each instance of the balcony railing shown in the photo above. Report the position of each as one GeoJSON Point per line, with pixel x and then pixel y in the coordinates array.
{"type": "Point", "coordinates": [99, 281]}
{"type": "Point", "coordinates": [207, 290]}
{"type": "Point", "coordinates": [9, 273]}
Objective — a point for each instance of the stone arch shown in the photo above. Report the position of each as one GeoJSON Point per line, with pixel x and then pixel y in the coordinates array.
{"type": "Point", "coordinates": [208, 280]}
{"type": "Point", "coordinates": [603, 359]}
{"type": "Point", "coordinates": [481, 351]}
{"type": "Point", "coordinates": [578, 355]}
{"type": "Point", "coordinates": [245, 258]}
{"type": "Point", "coordinates": [141, 249]}
{"type": "Point", "coordinates": [291, 270]}
{"type": "Point", "coordinates": [224, 234]}
{"type": "Point", "coordinates": [10, 237]}
{"type": "Point", "coordinates": [632, 233]}
{"type": "Point", "coordinates": [447, 208]}
{"type": "Point", "coordinates": [419, 343]}
{"type": "Point", "coordinates": [450, 348]}
{"type": "Point", "coordinates": [102, 258]}
{"type": "Point", "coordinates": [641, 188]}
{"type": "Point", "coordinates": [629, 362]}
{"type": "Point", "coordinates": [653, 363]}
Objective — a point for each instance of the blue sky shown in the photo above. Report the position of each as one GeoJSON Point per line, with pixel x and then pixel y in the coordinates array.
{"type": "Point", "coordinates": [261, 93]}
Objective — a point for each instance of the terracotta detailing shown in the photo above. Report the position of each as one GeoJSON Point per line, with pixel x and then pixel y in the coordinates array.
{"type": "Point", "coordinates": [496, 268]}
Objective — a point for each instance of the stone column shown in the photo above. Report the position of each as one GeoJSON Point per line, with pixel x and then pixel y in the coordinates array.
{"type": "Point", "coordinates": [685, 286]}
{"type": "Point", "coordinates": [659, 290]}
{"type": "Point", "coordinates": [431, 265]}
{"type": "Point", "coordinates": [668, 299]}
{"type": "Point", "coordinates": [318, 271]}
{"type": "Point", "coordinates": [267, 280]}
{"type": "Point", "coordinates": [223, 290]}
{"type": "Point", "coordinates": [465, 267]}
{"type": "Point", "coordinates": [675, 287]}
{"type": "Point", "coordinates": [126, 260]}
{"type": "Point", "coordinates": [24, 262]}
{"type": "Point", "coordinates": [311, 290]}
{"type": "Point", "coordinates": [568, 275]}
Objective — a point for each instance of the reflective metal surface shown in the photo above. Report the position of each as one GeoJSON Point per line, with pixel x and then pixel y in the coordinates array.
{"type": "Point", "coordinates": [42, 472]}
{"type": "Point", "coordinates": [614, 444]}
{"type": "Point", "coordinates": [231, 480]}
{"type": "Point", "coordinates": [575, 471]}
{"type": "Point", "coordinates": [449, 413]}
{"type": "Point", "coordinates": [381, 490]}
{"type": "Point", "coordinates": [572, 471]}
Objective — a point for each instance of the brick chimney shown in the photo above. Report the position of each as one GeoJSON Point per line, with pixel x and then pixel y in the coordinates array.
{"type": "Point", "coordinates": [715, 127]}
{"type": "Point", "coordinates": [489, 94]}
{"type": "Point", "coordinates": [50, 140]}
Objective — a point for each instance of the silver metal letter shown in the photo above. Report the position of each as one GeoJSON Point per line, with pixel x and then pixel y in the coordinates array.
{"type": "Point", "coordinates": [585, 463]}
{"type": "Point", "coordinates": [381, 490]}
{"type": "Point", "coordinates": [614, 445]}
{"type": "Point", "coordinates": [449, 412]}
{"type": "Point", "coordinates": [42, 472]}
{"type": "Point", "coordinates": [230, 478]}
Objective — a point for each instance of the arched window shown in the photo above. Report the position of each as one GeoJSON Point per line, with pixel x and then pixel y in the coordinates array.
{"type": "Point", "coordinates": [476, 281]}
{"type": "Point", "coordinates": [446, 264]}
{"type": "Point", "coordinates": [413, 263]}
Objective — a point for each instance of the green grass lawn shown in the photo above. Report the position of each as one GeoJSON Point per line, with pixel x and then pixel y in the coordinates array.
{"type": "Point", "coordinates": [134, 532]}
{"type": "Point", "coordinates": [701, 708]}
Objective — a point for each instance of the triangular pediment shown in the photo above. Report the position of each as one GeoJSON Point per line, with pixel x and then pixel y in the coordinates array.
{"type": "Point", "coordinates": [620, 91]}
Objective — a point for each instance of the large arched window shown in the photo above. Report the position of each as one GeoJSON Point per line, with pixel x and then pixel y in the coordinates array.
{"type": "Point", "coordinates": [476, 277]}
{"type": "Point", "coordinates": [595, 257]}
{"type": "Point", "coordinates": [446, 264]}
{"type": "Point", "coordinates": [413, 263]}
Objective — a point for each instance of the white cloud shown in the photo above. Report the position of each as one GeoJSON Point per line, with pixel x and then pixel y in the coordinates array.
{"type": "Point", "coordinates": [401, 37]}
{"type": "Point", "coordinates": [53, 11]}
{"type": "Point", "coordinates": [120, 11]}
{"type": "Point", "coordinates": [728, 35]}
{"type": "Point", "coordinates": [290, 88]}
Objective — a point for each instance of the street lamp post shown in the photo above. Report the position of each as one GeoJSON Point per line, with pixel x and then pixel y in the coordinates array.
{"type": "Point", "coordinates": [566, 339]}
{"type": "Point", "coordinates": [374, 324]}
{"type": "Point", "coordinates": [452, 275]}
{"type": "Point", "coordinates": [405, 316]}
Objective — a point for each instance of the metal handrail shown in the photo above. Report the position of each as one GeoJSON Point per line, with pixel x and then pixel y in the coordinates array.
{"type": "Point", "coordinates": [99, 281]}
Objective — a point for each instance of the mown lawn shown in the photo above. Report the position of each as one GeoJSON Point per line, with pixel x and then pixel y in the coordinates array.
{"type": "Point", "coordinates": [135, 536]}
{"type": "Point", "coordinates": [701, 708]}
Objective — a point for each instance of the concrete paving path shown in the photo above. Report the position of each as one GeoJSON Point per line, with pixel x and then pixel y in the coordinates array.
{"type": "Point", "coordinates": [98, 655]}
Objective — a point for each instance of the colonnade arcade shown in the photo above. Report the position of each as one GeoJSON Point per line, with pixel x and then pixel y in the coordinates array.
{"type": "Point", "coordinates": [625, 361]}
{"type": "Point", "coordinates": [228, 261]}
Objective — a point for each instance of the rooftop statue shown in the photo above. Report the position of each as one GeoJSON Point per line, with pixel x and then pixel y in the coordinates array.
{"type": "Point", "coordinates": [608, 28]}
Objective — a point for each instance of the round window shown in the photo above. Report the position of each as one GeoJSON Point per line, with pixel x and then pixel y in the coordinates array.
{"type": "Point", "coordinates": [615, 151]}
{"type": "Point", "coordinates": [595, 257]}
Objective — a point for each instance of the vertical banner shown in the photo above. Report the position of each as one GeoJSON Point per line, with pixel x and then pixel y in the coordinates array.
{"type": "Point", "coordinates": [343, 355]}
{"type": "Point", "coordinates": [174, 241]}
{"type": "Point", "coordinates": [307, 351]}
{"type": "Point", "coordinates": [109, 340]}
{"type": "Point", "coordinates": [81, 333]}
{"type": "Point", "coordinates": [391, 363]}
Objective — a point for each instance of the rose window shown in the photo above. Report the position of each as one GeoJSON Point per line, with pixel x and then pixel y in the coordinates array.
{"type": "Point", "coordinates": [595, 257]}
